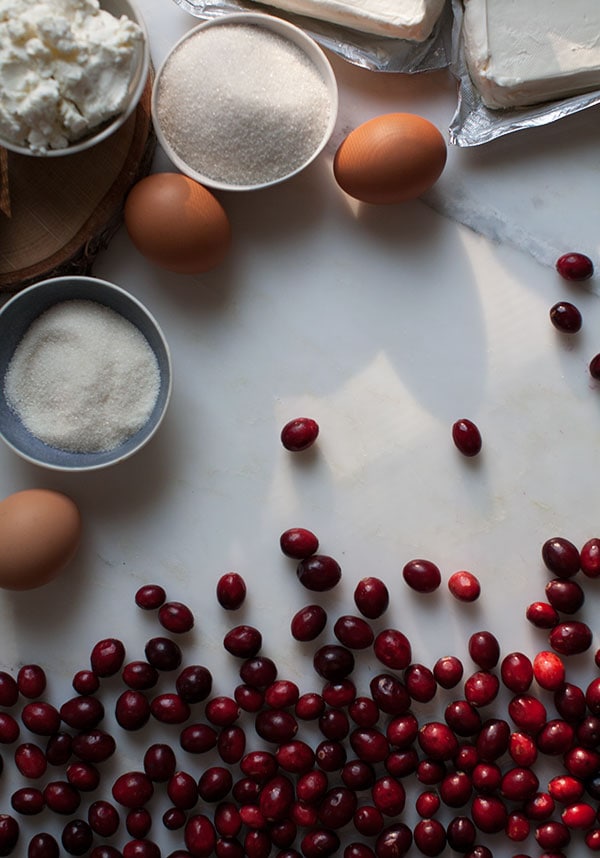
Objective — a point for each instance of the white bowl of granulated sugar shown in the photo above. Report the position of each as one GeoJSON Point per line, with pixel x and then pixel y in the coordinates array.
{"type": "Point", "coordinates": [244, 101]}
{"type": "Point", "coordinates": [85, 374]}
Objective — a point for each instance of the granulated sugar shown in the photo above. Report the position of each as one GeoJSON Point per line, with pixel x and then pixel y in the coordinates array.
{"type": "Point", "coordinates": [241, 104]}
{"type": "Point", "coordinates": [82, 378]}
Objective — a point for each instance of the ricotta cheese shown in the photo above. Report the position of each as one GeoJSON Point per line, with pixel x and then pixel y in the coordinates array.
{"type": "Point", "coordinates": [398, 19]}
{"type": "Point", "coordinates": [523, 52]}
{"type": "Point", "coordinates": [65, 67]}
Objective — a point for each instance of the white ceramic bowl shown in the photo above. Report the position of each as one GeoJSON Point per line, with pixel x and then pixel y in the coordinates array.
{"type": "Point", "coordinates": [15, 318]}
{"type": "Point", "coordinates": [117, 8]}
{"type": "Point", "coordinates": [283, 29]}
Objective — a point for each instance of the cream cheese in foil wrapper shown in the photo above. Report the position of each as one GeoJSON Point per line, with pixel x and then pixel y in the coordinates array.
{"type": "Point", "coordinates": [473, 123]}
{"type": "Point", "coordinates": [376, 53]}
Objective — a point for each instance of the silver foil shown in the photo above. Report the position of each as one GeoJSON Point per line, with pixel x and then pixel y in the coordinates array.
{"type": "Point", "coordinates": [361, 49]}
{"type": "Point", "coordinates": [473, 123]}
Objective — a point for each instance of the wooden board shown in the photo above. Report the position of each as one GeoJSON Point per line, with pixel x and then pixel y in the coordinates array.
{"type": "Point", "coordinates": [57, 213]}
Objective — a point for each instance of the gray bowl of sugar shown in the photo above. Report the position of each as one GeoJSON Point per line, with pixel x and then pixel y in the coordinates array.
{"type": "Point", "coordinates": [244, 101]}
{"type": "Point", "coordinates": [85, 374]}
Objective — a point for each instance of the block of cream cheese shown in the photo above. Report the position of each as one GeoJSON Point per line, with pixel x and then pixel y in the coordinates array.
{"type": "Point", "coordinates": [399, 19]}
{"type": "Point", "coordinates": [524, 52]}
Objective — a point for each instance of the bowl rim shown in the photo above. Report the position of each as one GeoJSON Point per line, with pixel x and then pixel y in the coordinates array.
{"type": "Point", "coordinates": [283, 28]}
{"type": "Point", "coordinates": [166, 378]}
{"type": "Point", "coordinates": [113, 124]}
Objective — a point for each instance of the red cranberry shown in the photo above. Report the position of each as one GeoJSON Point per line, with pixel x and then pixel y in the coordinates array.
{"type": "Point", "coordinates": [489, 813]}
{"type": "Point", "coordinates": [309, 706]}
{"type": "Point", "coordinates": [582, 762]}
{"type": "Point", "coordinates": [400, 764]}
{"type": "Point", "coordinates": [308, 623]}
{"type": "Point", "coordinates": [83, 776]}
{"type": "Point", "coordinates": [464, 586]}
{"type": "Point", "coordinates": [570, 638]}
{"type": "Point", "coordinates": [461, 834]}
{"type": "Point", "coordinates": [522, 749]}
{"type": "Point", "coordinates": [528, 713]}
{"type": "Point", "coordinates": [86, 682]}
{"type": "Point", "coordinates": [492, 740]}
{"type": "Point", "coordinates": [394, 841]}
{"type": "Point", "coordinates": [132, 710]}
{"type": "Point", "coordinates": [518, 826]}
{"type": "Point", "coordinates": [132, 789]}
{"type": "Point", "coordinates": [82, 712]}
{"type": "Point", "coordinates": [364, 712]}
{"type": "Point", "coordinates": [334, 724]}
{"type": "Point", "coordinates": [358, 775]}
{"type": "Point", "coordinates": [422, 575]}
{"type": "Point", "coordinates": [420, 683]}
{"type": "Point", "coordinates": [448, 671]}
{"type": "Point", "coordinates": [259, 672]}
{"type": "Point", "coordinates": [319, 572]}
{"type": "Point", "coordinates": [592, 696]}
{"type": "Point", "coordinates": [77, 837]}
{"type": "Point", "coordinates": [570, 702]}
{"type": "Point", "coordinates": [150, 597]}
{"type": "Point", "coordinates": [588, 732]}
{"type": "Point", "coordinates": [276, 798]}
{"type": "Point", "coordinates": [199, 836]}
{"type": "Point", "coordinates": [163, 653]}
{"type": "Point", "coordinates": [339, 694]}
{"type": "Point", "coordinates": [592, 839]}
{"type": "Point", "coordinates": [590, 556]}
{"type": "Point", "coordinates": [176, 617]}
{"type": "Point", "coordinates": [353, 632]}
{"type": "Point", "coordinates": [198, 738]}
{"type": "Point", "coordinates": [580, 815]}
{"type": "Point", "coordinates": [231, 744]}
{"type": "Point", "coordinates": [231, 591]}
{"type": "Point", "coordinates": [9, 729]}
{"type": "Point", "coordinates": [392, 648]}
{"type": "Point", "coordinates": [369, 745]}
{"type": "Point", "coordinates": [430, 836]}
{"type": "Point", "coordinates": [319, 843]}
{"type": "Point", "coordinates": [43, 845]}
{"type": "Point", "coordinates": [566, 789]}
{"type": "Point", "coordinates": [227, 819]}
{"type": "Point", "coordinates": [249, 699]}
{"type": "Point", "coordinates": [141, 848]}
{"type": "Point", "coordinates": [107, 657]}
{"type": "Point", "coordinates": [337, 807]}
{"type": "Point", "coordinates": [516, 671]}
{"type": "Point", "coordinates": [296, 757]}
{"type": "Point", "coordinates": [455, 789]}
{"type": "Point", "coordinates": [30, 760]}
{"type": "Point", "coordinates": [552, 835]}
{"type": "Point", "coordinates": [299, 434]}
{"type": "Point", "coordinates": [257, 844]}
{"type": "Point", "coordinates": [402, 731]}
{"type": "Point", "coordinates": [561, 557]}
{"type": "Point", "coordinates": [549, 670]}
{"type": "Point", "coordinates": [31, 681]}
{"type": "Point", "coordinates": [371, 597]}
{"type": "Point", "coordinates": [159, 762]}
{"type": "Point", "coordinates": [565, 317]}
{"type": "Point", "coordinates": [462, 717]}
{"type": "Point", "coordinates": [222, 711]}
{"type": "Point", "coordinates": [243, 641]}
{"type": "Point", "coordinates": [330, 756]}
{"type": "Point", "coordinates": [139, 675]}
{"type": "Point", "coordinates": [427, 803]}
{"type": "Point", "coordinates": [390, 694]}
{"type": "Point", "coordinates": [368, 820]}
{"type": "Point", "coordinates": [484, 649]}
{"type": "Point", "coordinates": [565, 595]}
{"type": "Point", "coordinates": [27, 801]}
{"type": "Point", "coordinates": [487, 778]}
{"type": "Point", "coordinates": [358, 850]}
{"type": "Point", "coordinates": [61, 797]}
{"type": "Point", "coordinates": [194, 683]}
{"type": "Point", "coordinates": [540, 806]}
{"type": "Point", "coordinates": [389, 796]}
{"type": "Point", "coordinates": [333, 662]}
{"type": "Point", "coordinates": [261, 766]}
{"type": "Point", "coordinates": [542, 615]}
{"type": "Point", "coordinates": [174, 818]}
{"type": "Point", "coordinates": [215, 783]}
{"type": "Point", "coordinates": [41, 718]}
{"type": "Point", "coordinates": [519, 784]}
{"type": "Point", "coordinates": [58, 748]}
{"type": "Point", "coordinates": [312, 786]}
{"type": "Point", "coordinates": [437, 740]}
{"type": "Point", "coordinates": [168, 708]}
{"type": "Point", "coordinates": [9, 690]}
{"type": "Point", "coordinates": [575, 266]}
{"type": "Point", "coordinates": [276, 725]}
{"type": "Point", "coordinates": [299, 543]}
{"type": "Point", "coordinates": [106, 851]}
{"type": "Point", "coordinates": [481, 688]}
{"type": "Point", "coordinates": [466, 437]}
{"type": "Point", "coordinates": [182, 790]}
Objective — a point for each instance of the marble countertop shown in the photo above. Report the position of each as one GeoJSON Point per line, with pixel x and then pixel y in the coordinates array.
{"type": "Point", "coordinates": [385, 325]}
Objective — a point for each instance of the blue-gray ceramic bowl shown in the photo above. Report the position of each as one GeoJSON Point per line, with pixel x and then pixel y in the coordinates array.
{"type": "Point", "coordinates": [15, 318]}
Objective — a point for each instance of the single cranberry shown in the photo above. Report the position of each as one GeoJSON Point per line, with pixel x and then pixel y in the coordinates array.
{"type": "Point", "coordinates": [194, 683]}
{"type": "Point", "coordinates": [319, 843]}
{"type": "Point", "coordinates": [392, 648]}
{"type": "Point", "coordinates": [516, 671]}
{"type": "Point", "coordinates": [579, 815]}
{"type": "Point", "coordinates": [565, 317]}
{"type": "Point", "coordinates": [518, 826]}
{"type": "Point", "coordinates": [592, 696]}
{"type": "Point", "coordinates": [176, 617]}
{"type": "Point", "coordinates": [61, 797]}
{"type": "Point", "coordinates": [369, 744]}
{"type": "Point", "coordinates": [132, 789]}
{"type": "Point", "coordinates": [394, 841]}
{"type": "Point", "coordinates": [28, 801]}
{"type": "Point", "coordinates": [107, 657]}
{"type": "Point", "coordinates": [276, 798]}
{"type": "Point", "coordinates": [9, 690]}
{"type": "Point", "coordinates": [575, 266]}
{"type": "Point", "coordinates": [231, 744]}
{"type": "Point", "coordinates": [549, 670]}
{"type": "Point", "coordinates": [243, 641]}
{"type": "Point", "coordinates": [337, 807]}
{"type": "Point", "coordinates": [339, 694]}
{"type": "Point", "coordinates": [462, 717]}
{"type": "Point", "coordinates": [199, 836]}
{"type": "Point", "coordinates": [227, 819]}
{"type": "Point", "coordinates": [430, 836]}
{"type": "Point", "coordinates": [542, 615]}
{"type": "Point", "coordinates": [77, 837]}
{"type": "Point", "coordinates": [388, 795]}
{"type": "Point", "coordinates": [466, 758]}
{"type": "Point", "coordinates": [455, 789]}
{"type": "Point", "coordinates": [552, 835]}
{"type": "Point", "coordinates": [312, 786]}
{"type": "Point", "coordinates": [481, 687]}
{"type": "Point", "coordinates": [168, 708]}
{"type": "Point", "coordinates": [163, 653]}
{"type": "Point", "coordinates": [182, 790]}
{"type": "Point", "coordinates": [141, 848]}
{"type": "Point", "coordinates": [353, 632]}
{"type": "Point", "coordinates": [594, 371]}
{"type": "Point", "coordinates": [296, 757]}
{"type": "Point", "coordinates": [422, 575]}
{"type": "Point", "coordinates": [261, 766]}
{"type": "Point", "coordinates": [358, 775]}
{"type": "Point", "coordinates": [222, 711]}
{"type": "Point", "coordinates": [247, 698]}
{"type": "Point", "coordinates": [431, 772]}
{"type": "Point", "coordinates": [139, 675]}
{"type": "Point", "coordinates": [299, 543]}
{"type": "Point", "coordinates": [106, 851]}
{"type": "Point", "coordinates": [540, 806]}
{"type": "Point", "coordinates": [561, 557]}
{"type": "Point", "coordinates": [427, 803]}
{"type": "Point", "coordinates": [522, 749]}
{"type": "Point", "coordinates": [30, 760]}
{"type": "Point", "coordinates": [215, 783]}
{"type": "Point", "coordinates": [310, 706]}
{"type": "Point", "coordinates": [464, 586]}
{"type": "Point", "coordinates": [420, 683]}
{"type": "Point", "coordinates": [174, 818]}
{"type": "Point", "coordinates": [371, 597]}
{"type": "Point", "coordinates": [83, 776]}
{"type": "Point", "coordinates": [448, 671]}
{"type": "Point", "coordinates": [31, 681]}
{"type": "Point", "coordinates": [402, 731]}
{"type": "Point", "coordinates": [461, 834]}
{"type": "Point", "coordinates": [487, 778]}
{"type": "Point", "coordinates": [489, 813]}
{"type": "Point", "coordinates": [150, 597]}
{"type": "Point", "coordinates": [276, 725]}
{"type": "Point", "coordinates": [259, 672]}
{"type": "Point", "coordinates": [330, 755]}
{"type": "Point", "coordinates": [582, 762]}
{"type": "Point", "coordinates": [9, 729]}
{"type": "Point", "coordinates": [132, 710]}
{"type": "Point", "coordinates": [400, 764]}
{"type": "Point", "coordinates": [358, 850]}
{"type": "Point", "coordinates": [334, 724]}
{"type": "Point", "coordinates": [319, 572]}
{"type": "Point", "coordinates": [257, 844]}
{"type": "Point", "coordinates": [528, 713]}
{"type": "Point", "coordinates": [590, 556]}
{"type": "Point", "coordinates": [41, 718]}
{"type": "Point", "coordinates": [484, 649]}
{"type": "Point", "coordinates": [333, 662]}
{"type": "Point", "coordinates": [299, 434]}
{"type": "Point", "coordinates": [43, 845]}
{"type": "Point", "coordinates": [570, 702]}
{"type": "Point", "coordinates": [368, 820]}
{"type": "Point", "coordinates": [58, 748]}
{"type": "Point", "coordinates": [565, 595]}
{"type": "Point", "coordinates": [437, 740]}
{"type": "Point", "coordinates": [570, 638]}
{"type": "Point", "coordinates": [198, 738]}
{"type": "Point", "coordinates": [492, 740]}
{"type": "Point", "coordinates": [159, 762]}
{"type": "Point", "coordinates": [231, 591]}
{"type": "Point", "coordinates": [592, 839]}
{"type": "Point", "coordinates": [308, 623]}
{"type": "Point", "coordinates": [82, 712]}
{"type": "Point", "coordinates": [566, 789]}
{"type": "Point", "coordinates": [519, 784]}
{"type": "Point", "coordinates": [86, 682]}
{"type": "Point", "coordinates": [390, 694]}
{"type": "Point", "coordinates": [466, 437]}
{"type": "Point", "coordinates": [364, 712]}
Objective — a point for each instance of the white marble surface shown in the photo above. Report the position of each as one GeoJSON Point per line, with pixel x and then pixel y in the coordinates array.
{"type": "Point", "coordinates": [385, 325]}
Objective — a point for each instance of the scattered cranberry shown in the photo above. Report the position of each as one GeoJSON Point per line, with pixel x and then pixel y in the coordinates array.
{"type": "Point", "coordinates": [561, 557]}
{"type": "Point", "coordinates": [43, 845]}
{"type": "Point", "coordinates": [590, 558]}
{"type": "Point", "coordinates": [259, 672]}
{"type": "Point", "coordinates": [163, 654]}
{"type": "Point", "coordinates": [82, 712]}
{"type": "Point", "coordinates": [31, 681]}
{"type": "Point", "coordinates": [175, 617]}
{"type": "Point", "coordinates": [575, 266]}
{"type": "Point", "coordinates": [194, 683]}
{"type": "Point", "coordinates": [390, 694]}
{"type": "Point", "coordinates": [353, 632]}
{"type": "Point", "coordinates": [30, 760]}
{"type": "Point", "coordinates": [215, 783]}
{"type": "Point", "coordinates": [522, 749]}
{"type": "Point", "coordinates": [393, 649]}
{"type": "Point", "coordinates": [565, 595]}
{"type": "Point", "coordinates": [422, 575]}
{"type": "Point", "coordinates": [299, 434]}
{"type": "Point", "coordinates": [420, 682]}
{"type": "Point", "coordinates": [310, 706]}
{"type": "Point", "coordinates": [10, 730]}
{"type": "Point", "coordinates": [594, 367]}
{"type": "Point", "coordinates": [319, 572]}
{"type": "Point", "coordinates": [481, 687]}
{"type": "Point", "coordinates": [430, 836]}
{"type": "Point", "coordinates": [150, 597]}
{"type": "Point", "coordinates": [466, 437]}
{"type": "Point", "coordinates": [9, 833]}
{"type": "Point", "coordinates": [200, 836]}
{"type": "Point", "coordinates": [107, 657]}
{"type": "Point", "coordinates": [28, 801]}
{"type": "Point", "coordinates": [132, 710]}
{"type": "Point", "coordinates": [41, 718]}
{"type": "Point", "coordinates": [182, 790]}
{"type": "Point", "coordinates": [448, 671]}
{"type": "Point", "coordinates": [83, 776]}
{"type": "Point", "coordinates": [570, 638]}
{"type": "Point", "coordinates": [298, 542]}
{"type": "Point", "coordinates": [371, 597]}
{"type": "Point", "coordinates": [9, 690]}
{"type": "Point", "coordinates": [484, 649]}
{"type": "Point", "coordinates": [243, 641]}
{"type": "Point", "coordinates": [308, 623]}
{"type": "Point", "coordinates": [77, 837]}
{"type": "Point", "coordinates": [61, 797]}
{"type": "Point", "coordinates": [489, 813]}
{"type": "Point", "coordinates": [139, 675]}
{"type": "Point", "coordinates": [132, 789]}
{"type": "Point", "coordinates": [516, 671]}
{"type": "Point", "coordinates": [565, 317]}
{"type": "Point", "coordinates": [86, 682]}
{"type": "Point", "coordinates": [464, 586]}
{"type": "Point", "coordinates": [333, 662]}
{"type": "Point", "coordinates": [542, 615]}
{"type": "Point", "coordinates": [549, 670]}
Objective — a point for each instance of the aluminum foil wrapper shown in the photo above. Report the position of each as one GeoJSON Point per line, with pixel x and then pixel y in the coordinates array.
{"type": "Point", "coordinates": [473, 123]}
{"type": "Point", "coordinates": [361, 49]}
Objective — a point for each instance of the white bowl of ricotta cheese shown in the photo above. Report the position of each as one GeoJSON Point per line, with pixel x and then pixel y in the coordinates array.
{"type": "Point", "coordinates": [72, 73]}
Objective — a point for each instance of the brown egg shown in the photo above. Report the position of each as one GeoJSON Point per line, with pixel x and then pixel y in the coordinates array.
{"type": "Point", "coordinates": [39, 535]}
{"type": "Point", "coordinates": [177, 223]}
{"type": "Point", "coordinates": [390, 159]}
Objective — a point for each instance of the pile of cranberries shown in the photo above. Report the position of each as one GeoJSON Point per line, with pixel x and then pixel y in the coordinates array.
{"type": "Point", "coordinates": [426, 760]}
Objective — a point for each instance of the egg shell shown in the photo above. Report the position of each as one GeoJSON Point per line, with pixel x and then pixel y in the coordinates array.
{"type": "Point", "coordinates": [390, 159]}
{"type": "Point", "coordinates": [177, 223]}
{"type": "Point", "coordinates": [40, 531]}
